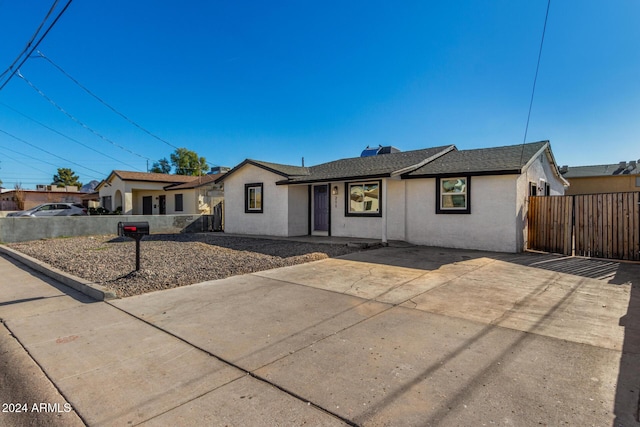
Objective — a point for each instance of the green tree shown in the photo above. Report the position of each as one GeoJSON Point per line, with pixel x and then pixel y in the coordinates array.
{"type": "Point", "coordinates": [65, 177]}
{"type": "Point", "coordinates": [161, 166]}
{"type": "Point", "coordinates": [187, 162]}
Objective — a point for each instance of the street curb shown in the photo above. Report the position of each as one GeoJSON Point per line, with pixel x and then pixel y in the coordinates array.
{"type": "Point", "coordinates": [88, 288]}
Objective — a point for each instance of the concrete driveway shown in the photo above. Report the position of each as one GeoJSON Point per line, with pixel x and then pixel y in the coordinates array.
{"type": "Point", "coordinates": [393, 336]}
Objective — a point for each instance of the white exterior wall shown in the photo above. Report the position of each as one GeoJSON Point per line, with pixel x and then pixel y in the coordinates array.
{"type": "Point", "coordinates": [491, 225]}
{"type": "Point", "coordinates": [395, 211]}
{"type": "Point", "coordinates": [351, 226]}
{"type": "Point", "coordinates": [189, 202]}
{"type": "Point", "coordinates": [274, 219]}
{"type": "Point", "coordinates": [298, 210]}
{"type": "Point", "coordinates": [369, 227]}
{"type": "Point", "coordinates": [111, 190]}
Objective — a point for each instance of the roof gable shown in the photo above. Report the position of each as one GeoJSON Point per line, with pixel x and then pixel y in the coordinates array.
{"type": "Point", "coordinates": [285, 171]}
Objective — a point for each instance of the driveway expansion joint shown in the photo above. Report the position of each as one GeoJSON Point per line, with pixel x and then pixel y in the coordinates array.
{"type": "Point", "coordinates": [245, 371]}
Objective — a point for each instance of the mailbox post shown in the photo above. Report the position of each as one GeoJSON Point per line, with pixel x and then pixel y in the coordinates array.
{"type": "Point", "coordinates": [135, 230]}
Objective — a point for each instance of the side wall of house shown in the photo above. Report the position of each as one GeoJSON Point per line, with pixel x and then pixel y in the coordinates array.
{"type": "Point", "coordinates": [490, 226]}
{"type": "Point", "coordinates": [274, 219]}
{"type": "Point", "coordinates": [540, 169]}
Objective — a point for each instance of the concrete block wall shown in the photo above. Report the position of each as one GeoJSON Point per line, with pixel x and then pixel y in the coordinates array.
{"type": "Point", "coordinates": [24, 229]}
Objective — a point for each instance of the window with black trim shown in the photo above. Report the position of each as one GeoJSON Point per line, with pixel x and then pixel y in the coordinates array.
{"type": "Point", "coordinates": [453, 195]}
{"type": "Point", "coordinates": [363, 198]}
{"type": "Point", "coordinates": [179, 203]}
{"type": "Point", "coordinates": [253, 198]}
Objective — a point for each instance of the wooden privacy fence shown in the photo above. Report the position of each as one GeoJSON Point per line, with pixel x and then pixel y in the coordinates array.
{"type": "Point", "coordinates": [593, 225]}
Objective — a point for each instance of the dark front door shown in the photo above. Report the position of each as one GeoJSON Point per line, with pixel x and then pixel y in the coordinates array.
{"type": "Point", "coordinates": [147, 205]}
{"type": "Point", "coordinates": [162, 201]}
{"type": "Point", "coordinates": [321, 208]}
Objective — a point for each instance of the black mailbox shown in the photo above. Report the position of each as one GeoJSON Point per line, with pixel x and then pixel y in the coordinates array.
{"type": "Point", "coordinates": [134, 230]}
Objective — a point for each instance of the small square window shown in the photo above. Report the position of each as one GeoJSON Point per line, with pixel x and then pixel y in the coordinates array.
{"type": "Point", "coordinates": [453, 195]}
{"type": "Point", "coordinates": [253, 198]}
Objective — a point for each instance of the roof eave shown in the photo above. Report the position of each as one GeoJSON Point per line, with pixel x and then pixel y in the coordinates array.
{"type": "Point", "coordinates": [335, 179]}
{"type": "Point", "coordinates": [463, 173]}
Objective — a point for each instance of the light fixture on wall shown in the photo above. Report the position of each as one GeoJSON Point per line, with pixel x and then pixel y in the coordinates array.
{"type": "Point", "coordinates": [335, 190]}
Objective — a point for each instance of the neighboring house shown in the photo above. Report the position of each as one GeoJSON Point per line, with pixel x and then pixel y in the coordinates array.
{"type": "Point", "coordinates": [143, 193]}
{"type": "Point", "coordinates": [13, 200]}
{"type": "Point", "coordinates": [620, 177]}
{"type": "Point", "coordinates": [441, 196]}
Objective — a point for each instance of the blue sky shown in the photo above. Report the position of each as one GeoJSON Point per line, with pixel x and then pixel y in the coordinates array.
{"type": "Point", "coordinates": [278, 81]}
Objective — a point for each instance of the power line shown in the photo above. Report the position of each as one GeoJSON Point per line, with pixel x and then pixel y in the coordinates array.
{"type": "Point", "coordinates": [16, 160]}
{"type": "Point", "coordinates": [33, 37]}
{"type": "Point", "coordinates": [103, 102]}
{"type": "Point", "coordinates": [35, 46]}
{"type": "Point", "coordinates": [48, 152]}
{"type": "Point", "coordinates": [78, 121]}
{"type": "Point", "coordinates": [65, 136]}
{"type": "Point", "coordinates": [535, 79]}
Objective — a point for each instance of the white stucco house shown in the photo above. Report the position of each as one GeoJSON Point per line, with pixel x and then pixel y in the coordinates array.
{"type": "Point", "coordinates": [441, 196]}
{"type": "Point", "coordinates": [143, 193]}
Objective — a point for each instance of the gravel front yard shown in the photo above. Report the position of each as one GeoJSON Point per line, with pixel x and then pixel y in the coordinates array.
{"type": "Point", "coordinates": [170, 260]}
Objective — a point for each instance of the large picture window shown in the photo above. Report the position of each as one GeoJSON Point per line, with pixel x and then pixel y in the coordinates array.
{"type": "Point", "coordinates": [453, 195]}
{"type": "Point", "coordinates": [253, 198]}
{"type": "Point", "coordinates": [363, 199]}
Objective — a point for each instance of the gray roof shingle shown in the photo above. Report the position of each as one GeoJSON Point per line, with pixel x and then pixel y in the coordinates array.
{"type": "Point", "coordinates": [368, 167]}
{"type": "Point", "coordinates": [443, 160]}
{"type": "Point", "coordinates": [495, 160]}
{"type": "Point", "coordinates": [601, 170]}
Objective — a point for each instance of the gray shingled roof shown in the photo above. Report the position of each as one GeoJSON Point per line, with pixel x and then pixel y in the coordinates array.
{"type": "Point", "coordinates": [601, 170]}
{"type": "Point", "coordinates": [509, 159]}
{"type": "Point", "coordinates": [367, 167]}
{"type": "Point", "coordinates": [443, 160]}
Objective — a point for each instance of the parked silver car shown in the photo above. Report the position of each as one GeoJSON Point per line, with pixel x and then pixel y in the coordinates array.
{"type": "Point", "coordinates": [53, 209]}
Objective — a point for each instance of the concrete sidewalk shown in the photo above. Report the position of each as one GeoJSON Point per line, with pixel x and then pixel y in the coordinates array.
{"type": "Point", "coordinates": [393, 336]}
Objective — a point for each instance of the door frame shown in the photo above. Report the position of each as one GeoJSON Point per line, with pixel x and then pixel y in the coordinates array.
{"type": "Point", "coordinates": [162, 204]}
{"type": "Point", "coordinates": [312, 212]}
{"type": "Point", "coordinates": [150, 205]}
